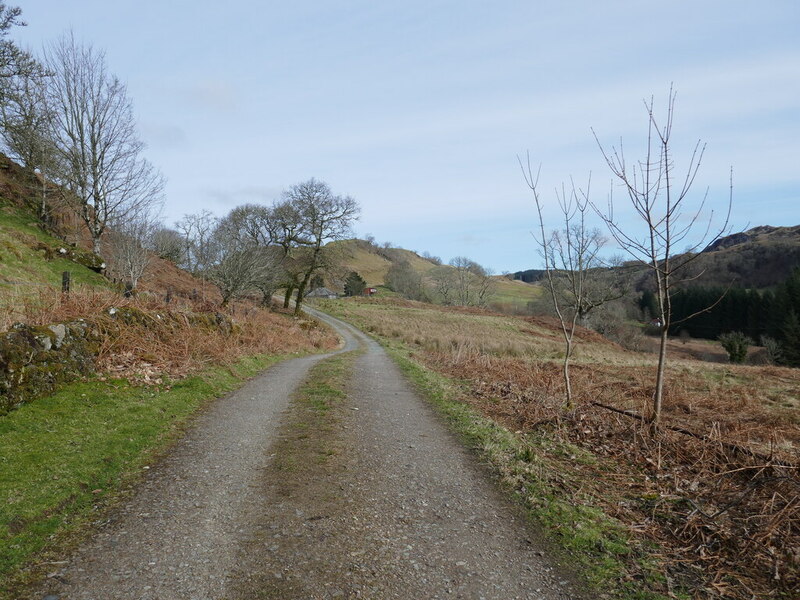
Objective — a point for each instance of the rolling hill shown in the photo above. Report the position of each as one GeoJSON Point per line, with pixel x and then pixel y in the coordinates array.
{"type": "Point", "coordinates": [373, 263]}
{"type": "Point", "coordinates": [758, 258]}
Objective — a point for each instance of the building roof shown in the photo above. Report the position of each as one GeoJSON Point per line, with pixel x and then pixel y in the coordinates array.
{"type": "Point", "coordinates": [321, 292]}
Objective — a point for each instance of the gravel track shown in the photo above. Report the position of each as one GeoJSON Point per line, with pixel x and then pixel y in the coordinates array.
{"type": "Point", "coordinates": [403, 511]}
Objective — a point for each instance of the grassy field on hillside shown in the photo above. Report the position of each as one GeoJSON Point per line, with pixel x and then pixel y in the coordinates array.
{"type": "Point", "coordinates": [373, 264]}
{"type": "Point", "coordinates": [708, 515]}
{"type": "Point", "coordinates": [25, 270]}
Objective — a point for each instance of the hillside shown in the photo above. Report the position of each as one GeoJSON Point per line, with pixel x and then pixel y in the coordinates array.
{"type": "Point", "coordinates": [760, 257]}
{"type": "Point", "coordinates": [757, 258]}
{"type": "Point", "coordinates": [33, 259]}
{"type": "Point", "coordinates": [373, 264]}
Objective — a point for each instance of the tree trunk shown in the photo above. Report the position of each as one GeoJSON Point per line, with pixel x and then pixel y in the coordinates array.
{"type": "Point", "coordinates": [288, 297]}
{"type": "Point", "coordinates": [300, 291]}
{"type": "Point", "coordinates": [567, 382]}
{"type": "Point", "coordinates": [96, 245]}
{"type": "Point", "coordinates": [266, 299]}
{"type": "Point", "coordinates": [662, 363]}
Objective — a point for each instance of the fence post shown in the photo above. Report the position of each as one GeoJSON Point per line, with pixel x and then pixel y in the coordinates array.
{"type": "Point", "coordinates": [65, 278]}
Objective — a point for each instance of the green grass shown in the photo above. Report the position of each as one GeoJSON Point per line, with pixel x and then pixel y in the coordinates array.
{"type": "Point", "coordinates": [65, 457]}
{"type": "Point", "coordinates": [325, 385]}
{"type": "Point", "coordinates": [23, 263]}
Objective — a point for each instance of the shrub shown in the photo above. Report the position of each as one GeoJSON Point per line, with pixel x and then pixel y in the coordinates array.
{"type": "Point", "coordinates": [735, 344]}
{"type": "Point", "coordinates": [773, 349]}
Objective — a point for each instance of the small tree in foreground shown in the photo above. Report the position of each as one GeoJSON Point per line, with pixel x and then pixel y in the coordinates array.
{"type": "Point", "coordinates": [660, 198]}
{"type": "Point", "coordinates": [571, 261]}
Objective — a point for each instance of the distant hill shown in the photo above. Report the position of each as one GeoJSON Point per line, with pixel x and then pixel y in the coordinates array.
{"type": "Point", "coordinates": [758, 258]}
{"type": "Point", "coordinates": [373, 262]}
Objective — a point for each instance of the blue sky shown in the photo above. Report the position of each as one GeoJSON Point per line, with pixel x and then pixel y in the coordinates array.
{"type": "Point", "coordinates": [419, 109]}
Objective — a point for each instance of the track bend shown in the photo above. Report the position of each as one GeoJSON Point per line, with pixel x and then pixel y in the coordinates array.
{"type": "Point", "coordinates": [410, 514]}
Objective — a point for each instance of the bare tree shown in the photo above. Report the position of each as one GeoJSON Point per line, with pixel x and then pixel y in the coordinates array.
{"type": "Point", "coordinates": [23, 105]}
{"type": "Point", "coordinates": [241, 264]}
{"type": "Point", "coordinates": [272, 277]}
{"type": "Point", "coordinates": [95, 135]}
{"type": "Point", "coordinates": [571, 262]}
{"type": "Point", "coordinates": [254, 226]}
{"type": "Point", "coordinates": [168, 244]}
{"type": "Point", "coordinates": [485, 284]}
{"type": "Point", "coordinates": [197, 232]}
{"type": "Point", "coordinates": [286, 231]}
{"type": "Point", "coordinates": [469, 283]}
{"type": "Point", "coordinates": [660, 198]}
{"type": "Point", "coordinates": [324, 218]}
{"type": "Point", "coordinates": [403, 279]}
{"type": "Point", "coordinates": [128, 243]}
{"type": "Point", "coordinates": [463, 287]}
{"type": "Point", "coordinates": [26, 133]}
{"type": "Point", "coordinates": [443, 281]}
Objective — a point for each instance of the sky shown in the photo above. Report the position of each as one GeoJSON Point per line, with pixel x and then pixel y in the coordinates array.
{"type": "Point", "coordinates": [419, 109]}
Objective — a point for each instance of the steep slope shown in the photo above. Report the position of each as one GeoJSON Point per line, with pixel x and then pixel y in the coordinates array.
{"type": "Point", "coordinates": [33, 257]}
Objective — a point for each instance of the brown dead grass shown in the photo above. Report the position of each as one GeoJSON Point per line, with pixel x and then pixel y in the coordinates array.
{"type": "Point", "coordinates": [178, 338]}
{"type": "Point", "coordinates": [721, 499]}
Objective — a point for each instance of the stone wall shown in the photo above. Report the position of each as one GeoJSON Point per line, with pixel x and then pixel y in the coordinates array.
{"type": "Point", "coordinates": [35, 360]}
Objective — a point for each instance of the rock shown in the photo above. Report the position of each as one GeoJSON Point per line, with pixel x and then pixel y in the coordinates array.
{"type": "Point", "coordinates": [45, 342]}
{"type": "Point", "coordinates": [60, 331]}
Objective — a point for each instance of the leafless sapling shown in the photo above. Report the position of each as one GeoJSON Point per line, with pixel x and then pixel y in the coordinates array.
{"type": "Point", "coordinates": [572, 264]}
{"type": "Point", "coordinates": [675, 229]}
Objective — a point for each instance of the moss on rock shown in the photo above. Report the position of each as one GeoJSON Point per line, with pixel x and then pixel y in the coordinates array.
{"type": "Point", "coordinates": [35, 360]}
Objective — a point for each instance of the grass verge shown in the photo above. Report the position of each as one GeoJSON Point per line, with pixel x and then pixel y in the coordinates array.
{"type": "Point", "coordinates": [65, 458]}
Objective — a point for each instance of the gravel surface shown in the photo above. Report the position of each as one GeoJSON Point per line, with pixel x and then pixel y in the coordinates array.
{"type": "Point", "coordinates": [400, 511]}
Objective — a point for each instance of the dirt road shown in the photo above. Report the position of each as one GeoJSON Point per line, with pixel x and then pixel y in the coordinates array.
{"type": "Point", "coordinates": [402, 511]}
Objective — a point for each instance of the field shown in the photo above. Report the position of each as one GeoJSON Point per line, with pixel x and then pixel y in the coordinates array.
{"type": "Point", "coordinates": [709, 503]}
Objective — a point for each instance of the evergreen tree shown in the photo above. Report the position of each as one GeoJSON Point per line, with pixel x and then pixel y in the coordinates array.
{"type": "Point", "coordinates": [790, 345]}
{"type": "Point", "coordinates": [354, 284]}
